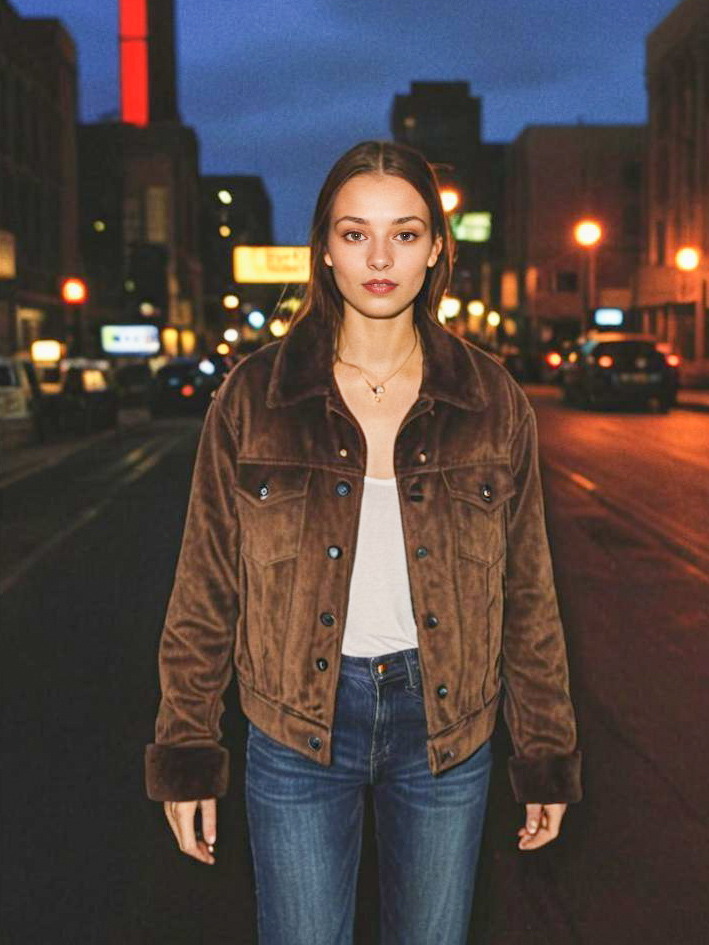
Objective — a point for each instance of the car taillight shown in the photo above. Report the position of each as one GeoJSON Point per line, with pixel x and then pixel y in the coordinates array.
{"type": "Point", "coordinates": [605, 360]}
{"type": "Point", "coordinates": [553, 359]}
{"type": "Point", "coordinates": [673, 360]}
{"type": "Point", "coordinates": [187, 390]}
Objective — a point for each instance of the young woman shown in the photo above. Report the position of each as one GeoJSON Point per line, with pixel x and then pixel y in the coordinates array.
{"type": "Point", "coordinates": [365, 541]}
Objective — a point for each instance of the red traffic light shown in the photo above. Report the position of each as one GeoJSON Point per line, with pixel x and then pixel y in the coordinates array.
{"type": "Point", "coordinates": [74, 291]}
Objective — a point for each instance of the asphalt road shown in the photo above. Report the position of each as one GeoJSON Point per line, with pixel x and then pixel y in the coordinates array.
{"type": "Point", "coordinates": [88, 553]}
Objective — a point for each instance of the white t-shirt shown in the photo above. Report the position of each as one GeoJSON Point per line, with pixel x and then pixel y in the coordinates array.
{"type": "Point", "coordinates": [380, 616]}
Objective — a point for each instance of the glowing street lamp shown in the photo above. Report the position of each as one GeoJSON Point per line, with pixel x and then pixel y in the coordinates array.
{"type": "Point", "coordinates": [450, 198]}
{"type": "Point", "coordinates": [74, 293]}
{"type": "Point", "coordinates": [687, 259]}
{"type": "Point", "coordinates": [589, 233]}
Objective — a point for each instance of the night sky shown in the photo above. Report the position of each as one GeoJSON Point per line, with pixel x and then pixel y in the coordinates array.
{"type": "Point", "coordinates": [281, 89]}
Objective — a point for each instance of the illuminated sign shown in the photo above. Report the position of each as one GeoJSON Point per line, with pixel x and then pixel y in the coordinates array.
{"type": "Point", "coordinates": [471, 227]}
{"type": "Point", "coordinates": [608, 316]}
{"type": "Point", "coordinates": [271, 264]}
{"type": "Point", "coordinates": [130, 339]}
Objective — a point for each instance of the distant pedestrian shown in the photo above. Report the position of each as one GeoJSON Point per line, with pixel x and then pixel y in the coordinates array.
{"type": "Point", "coordinates": [365, 541]}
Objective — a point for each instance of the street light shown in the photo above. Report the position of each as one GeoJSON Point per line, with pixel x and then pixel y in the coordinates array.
{"type": "Point", "coordinates": [589, 233]}
{"type": "Point", "coordinates": [450, 198]}
{"type": "Point", "coordinates": [687, 259]}
{"type": "Point", "coordinates": [74, 294]}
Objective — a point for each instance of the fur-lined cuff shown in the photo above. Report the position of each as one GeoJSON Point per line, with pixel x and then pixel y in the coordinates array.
{"type": "Point", "coordinates": [551, 779]}
{"type": "Point", "coordinates": [185, 774]}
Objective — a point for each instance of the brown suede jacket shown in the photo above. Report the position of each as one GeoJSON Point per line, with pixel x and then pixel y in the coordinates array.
{"type": "Point", "coordinates": [267, 551]}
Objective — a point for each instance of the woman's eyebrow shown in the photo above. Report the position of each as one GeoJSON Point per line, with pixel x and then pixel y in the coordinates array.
{"type": "Point", "coordinates": [393, 222]}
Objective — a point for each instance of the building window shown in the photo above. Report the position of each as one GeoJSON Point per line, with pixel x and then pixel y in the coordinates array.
{"type": "Point", "coordinates": [567, 281]}
{"type": "Point", "coordinates": [156, 214]}
{"type": "Point", "coordinates": [631, 221]}
{"type": "Point", "coordinates": [660, 242]}
{"type": "Point", "coordinates": [631, 175]}
{"type": "Point", "coordinates": [131, 220]}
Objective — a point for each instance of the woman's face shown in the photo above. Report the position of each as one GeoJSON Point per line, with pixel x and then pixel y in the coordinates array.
{"type": "Point", "coordinates": [380, 228]}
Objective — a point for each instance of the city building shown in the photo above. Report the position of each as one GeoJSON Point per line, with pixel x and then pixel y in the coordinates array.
{"type": "Point", "coordinates": [139, 193]}
{"type": "Point", "coordinates": [671, 301]}
{"type": "Point", "coordinates": [235, 210]}
{"type": "Point", "coordinates": [38, 178]}
{"type": "Point", "coordinates": [557, 177]}
{"type": "Point", "coordinates": [443, 121]}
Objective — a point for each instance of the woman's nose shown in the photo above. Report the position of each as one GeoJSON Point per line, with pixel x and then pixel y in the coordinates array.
{"type": "Point", "coordinates": [379, 255]}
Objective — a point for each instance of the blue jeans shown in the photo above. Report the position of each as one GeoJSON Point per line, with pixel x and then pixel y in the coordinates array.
{"type": "Point", "coordinates": [305, 820]}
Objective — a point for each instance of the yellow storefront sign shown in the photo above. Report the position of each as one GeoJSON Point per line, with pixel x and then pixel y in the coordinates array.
{"type": "Point", "coordinates": [271, 264]}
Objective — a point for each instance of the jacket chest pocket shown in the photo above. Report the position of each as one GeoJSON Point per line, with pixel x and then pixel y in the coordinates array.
{"type": "Point", "coordinates": [478, 495]}
{"type": "Point", "coordinates": [271, 504]}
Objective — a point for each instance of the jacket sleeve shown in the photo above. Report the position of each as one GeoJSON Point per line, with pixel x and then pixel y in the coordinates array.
{"type": "Point", "coordinates": [545, 767]}
{"type": "Point", "coordinates": [196, 646]}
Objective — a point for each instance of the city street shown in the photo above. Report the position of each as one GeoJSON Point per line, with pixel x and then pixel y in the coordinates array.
{"type": "Point", "coordinates": [88, 553]}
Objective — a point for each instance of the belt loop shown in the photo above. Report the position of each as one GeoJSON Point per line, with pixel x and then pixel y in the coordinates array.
{"type": "Point", "coordinates": [410, 671]}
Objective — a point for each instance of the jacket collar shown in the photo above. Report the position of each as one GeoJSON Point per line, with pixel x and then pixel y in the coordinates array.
{"type": "Point", "coordinates": [303, 366]}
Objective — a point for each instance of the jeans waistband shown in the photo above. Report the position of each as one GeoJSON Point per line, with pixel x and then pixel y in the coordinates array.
{"type": "Point", "coordinates": [386, 666]}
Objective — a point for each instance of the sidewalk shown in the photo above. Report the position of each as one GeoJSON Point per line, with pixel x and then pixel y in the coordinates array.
{"type": "Point", "coordinates": [693, 399]}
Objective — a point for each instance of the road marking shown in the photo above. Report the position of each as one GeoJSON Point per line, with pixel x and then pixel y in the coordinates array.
{"type": "Point", "coordinates": [14, 574]}
{"type": "Point", "coordinates": [694, 553]}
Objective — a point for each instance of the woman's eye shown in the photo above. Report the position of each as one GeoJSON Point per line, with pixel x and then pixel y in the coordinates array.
{"type": "Point", "coordinates": [359, 233]}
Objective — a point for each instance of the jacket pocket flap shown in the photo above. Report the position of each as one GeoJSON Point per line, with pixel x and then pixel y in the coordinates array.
{"type": "Point", "coordinates": [485, 485]}
{"type": "Point", "coordinates": [264, 484]}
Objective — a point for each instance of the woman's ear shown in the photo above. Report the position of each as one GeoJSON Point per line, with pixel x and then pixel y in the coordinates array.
{"type": "Point", "coordinates": [328, 258]}
{"type": "Point", "coordinates": [435, 251]}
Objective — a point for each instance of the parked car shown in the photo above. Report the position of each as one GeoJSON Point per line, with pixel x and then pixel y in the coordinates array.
{"type": "Point", "coordinates": [22, 418]}
{"type": "Point", "coordinates": [625, 367]}
{"type": "Point", "coordinates": [185, 385]}
{"type": "Point", "coordinates": [88, 399]}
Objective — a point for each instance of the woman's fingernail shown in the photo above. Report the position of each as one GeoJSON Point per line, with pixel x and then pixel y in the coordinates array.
{"type": "Point", "coordinates": [532, 825]}
{"type": "Point", "coordinates": [210, 847]}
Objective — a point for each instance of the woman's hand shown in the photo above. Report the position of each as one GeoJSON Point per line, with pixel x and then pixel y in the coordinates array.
{"type": "Point", "coordinates": [180, 815]}
{"type": "Point", "coordinates": [542, 825]}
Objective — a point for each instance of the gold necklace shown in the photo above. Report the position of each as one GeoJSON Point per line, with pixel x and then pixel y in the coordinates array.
{"type": "Point", "coordinates": [379, 388]}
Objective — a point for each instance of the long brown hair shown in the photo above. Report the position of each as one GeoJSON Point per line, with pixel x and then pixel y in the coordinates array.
{"type": "Point", "coordinates": [322, 298]}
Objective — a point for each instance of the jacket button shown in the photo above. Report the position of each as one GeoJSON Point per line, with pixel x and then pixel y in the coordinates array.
{"type": "Point", "coordinates": [315, 742]}
{"type": "Point", "coordinates": [343, 488]}
{"type": "Point", "coordinates": [442, 691]}
{"type": "Point", "coordinates": [431, 620]}
{"type": "Point", "coordinates": [486, 492]}
{"type": "Point", "coordinates": [263, 490]}
{"type": "Point", "coordinates": [334, 551]}
{"type": "Point", "coordinates": [421, 551]}
{"type": "Point", "coordinates": [423, 456]}
{"type": "Point", "coordinates": [321, 664]}
{"type": "Point", "coordinates": [327, 618]}
{"type": "Point", "coordinates": [448, 753]}
{"type": "Point", "coordinates": [343, 451]}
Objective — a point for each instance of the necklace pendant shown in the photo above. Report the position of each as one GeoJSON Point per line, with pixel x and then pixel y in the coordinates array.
{"type": "Point", "coordinates": [379, 389]}
{"type": "Point", "coordinates": [377, 398]}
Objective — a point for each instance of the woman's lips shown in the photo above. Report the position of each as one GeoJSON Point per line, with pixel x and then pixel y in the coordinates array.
{"type": "Point", "coordinates": [379, 288]}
